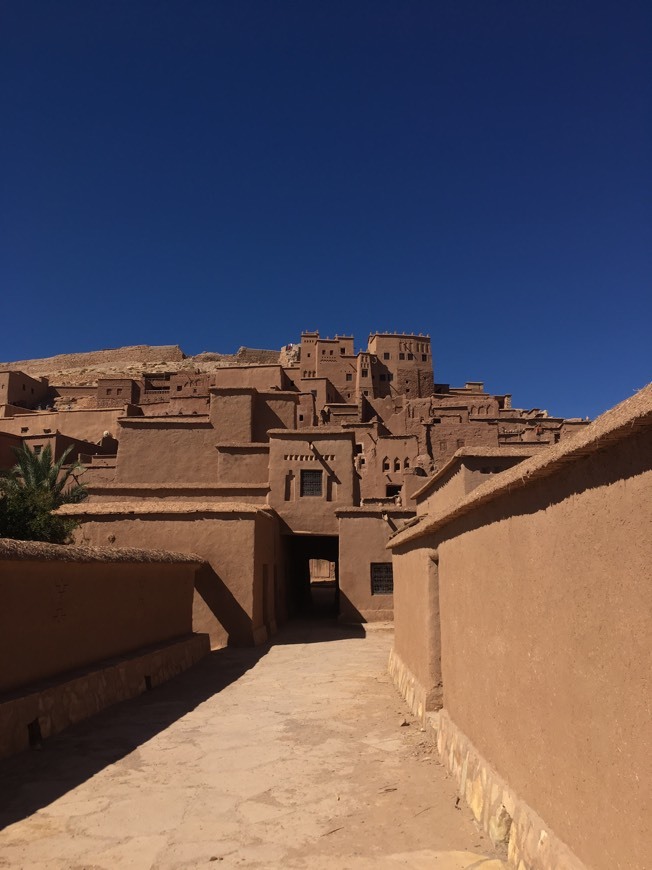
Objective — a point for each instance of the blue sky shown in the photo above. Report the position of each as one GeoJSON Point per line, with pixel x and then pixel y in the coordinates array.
{"type": "Point", "coordinates": [216, 174]}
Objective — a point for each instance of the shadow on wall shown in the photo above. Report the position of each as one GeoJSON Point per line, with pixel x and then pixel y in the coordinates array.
{"type": "Point", "coordinates": [349, 613]}
{"type": "Point", "coordinates": [224, 607]}
{"type": "Point", "coordinates": [34, 780]}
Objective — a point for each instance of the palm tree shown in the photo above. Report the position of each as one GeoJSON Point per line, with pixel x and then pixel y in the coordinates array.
{"type": "Point", "coordinates": [39, 473]}
{"type": "Point", "coordinates": [32, 489]}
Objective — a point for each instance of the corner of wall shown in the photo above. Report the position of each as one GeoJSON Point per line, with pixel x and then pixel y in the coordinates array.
{"type": "Point", "coordinates": [510, 822]}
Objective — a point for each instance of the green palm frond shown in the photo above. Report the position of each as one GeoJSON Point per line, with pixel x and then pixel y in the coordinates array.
{"type": "Point", "coordinates": [39, 473]}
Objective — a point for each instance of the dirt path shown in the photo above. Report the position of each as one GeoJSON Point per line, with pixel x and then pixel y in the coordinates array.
{"type": "Point", "coordinates": [290, 756]}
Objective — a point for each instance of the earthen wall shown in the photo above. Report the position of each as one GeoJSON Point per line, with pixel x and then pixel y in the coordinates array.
{"type": "Point", "coordinates": [544, 595]}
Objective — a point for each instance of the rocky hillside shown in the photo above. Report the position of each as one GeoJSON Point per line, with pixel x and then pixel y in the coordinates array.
{"type": "Point", "coordinates": [86, 368]}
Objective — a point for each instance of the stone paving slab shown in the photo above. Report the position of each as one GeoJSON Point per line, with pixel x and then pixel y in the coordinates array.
{"type": "Point", "coordinates": [291, 755]}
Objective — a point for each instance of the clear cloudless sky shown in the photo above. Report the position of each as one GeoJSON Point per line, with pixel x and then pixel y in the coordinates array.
{"type": "Point", "coordinates": [215, 174]}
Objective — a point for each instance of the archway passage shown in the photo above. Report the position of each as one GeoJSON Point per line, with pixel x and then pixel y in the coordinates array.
{"type": "Point", "coordinates": [312, 572]}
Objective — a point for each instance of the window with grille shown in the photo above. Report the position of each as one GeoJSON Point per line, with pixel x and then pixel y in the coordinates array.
{"type": "Point", "coordinates": [311, 483]}
{"type": "Point", "coordinates": [382, 578]}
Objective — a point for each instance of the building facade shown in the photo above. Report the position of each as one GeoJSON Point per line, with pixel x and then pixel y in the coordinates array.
{"type": "Point", "coordinates": [265, 469]}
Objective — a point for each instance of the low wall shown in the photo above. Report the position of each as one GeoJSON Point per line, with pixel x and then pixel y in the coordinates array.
{"type": "Point", "coordinates": [67, 609]}
{"type": "Point", "coordinates": [59, 703]}
{"type": "Point", "coordinates": [543, 587]}
{"type": "Point", "coordinates": [228, 586]}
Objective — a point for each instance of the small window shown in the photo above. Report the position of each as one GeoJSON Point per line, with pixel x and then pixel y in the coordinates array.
{"type": "Point", "coordinates": [119, 391]}
{"type": "Point", "coordinates": [386, 356]}
{"type": "Point", "coordinates": [349, 377]}
{"type": "Point", "coordinates": [460, 443]}
{"type": "Point", "coordinates": [109, 391]}
{"type": "Point", "coordinates": [401, 356]}
{"type": "Point", "coordinates": [390, 377]}
{"type": "Point", "coordinates": [365, 392]}
{"type": "Point", "coordinates": [323, 353]}
{"type": "Point", "coordinates": [365, 373]}
{"type": "Point", "coordinates": [424, 357]}
{"type": "Point", "coordinates": [331, 353]}
{"type": "Point", "coordinates": [358, 448]}
{"type": "Point", "coordinates": [308, 355]}
{"type": "Point", "coordinates": [342, 350]}
{"type": "Point", "coordinates": [311, 483]}
{"type": "Point", "coordinates": [410, 356]}
{"type": "Point", "coordinates": [24, 428]}
{"type": "Point", "coordinates": [382, 578]}
{"type": "Point", "coordinates": [37, 449]}
{"type": "Point", "coordinates": [178, 388]}
{"type": "Point", "coordinates": [385, 464]}
{"type": "Point", "coordinates": [301, 418]}
{"type": "Point", "coordinates": [392, 490]}
{"type": "Point", "coordinates": [397, 465]}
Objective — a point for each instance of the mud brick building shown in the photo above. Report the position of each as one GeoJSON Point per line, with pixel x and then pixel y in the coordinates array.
{"type": "Point", "coordinates": [269, 465]}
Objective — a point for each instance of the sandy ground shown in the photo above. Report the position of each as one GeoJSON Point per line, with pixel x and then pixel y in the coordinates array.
{"type": "Point", "coordinates": [289, 756]}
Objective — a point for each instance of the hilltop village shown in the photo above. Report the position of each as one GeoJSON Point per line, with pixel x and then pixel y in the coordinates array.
{"type": "Point", "coordinates": [281, 468]}
{"type": "Point", "coordinates": [510, 549]}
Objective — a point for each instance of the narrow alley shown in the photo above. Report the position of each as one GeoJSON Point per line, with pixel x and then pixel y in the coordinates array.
{"type": "Point", "coordinates": [296, 755]}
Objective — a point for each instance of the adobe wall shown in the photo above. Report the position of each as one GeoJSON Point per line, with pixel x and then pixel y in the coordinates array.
{"type": "Point", "coordinates": [85, 606]}
{"type": "Point", "coordinates": [18, 388]}
{"type": "Point", "coordinates": [415, 661]}
{"type": "Point", "coordinates": [166, 450]}
{"type": "Point", "coordinates": [545, 595]}
{"type": "Point", "coordinates": [225, 605]}
{"type": "Point", "coordinates": [461, 475]}
{"type": "Point", "coordinates": [243, 463]}
{"type": "Point", "coordinates": [270, 594]}
{"type": "Point", "coordinates": [363, 537]}
{"type": "Point", "coordinates": [8, 443]}
{"type": "Point", "coordinates": [451, 487]}
{"type": "Point", "coordinates": [259, 377]}
{"type": "Point", "coordinates": [86, 425]}
{"type": "Point", "coordinates": [102, 489]}
{"type": "Point", "coordinates": [547, 669]}
{"type": "Point", "coordinates": [231, 414]}
{"type": "Point", "coordinates": [290, 454]}
{"type": "Point", "coordinates": [57, 704]}
{"type": "Point", "coordinates": [383, 462]}
{"type": "Point", "coordinates": [275, 410]}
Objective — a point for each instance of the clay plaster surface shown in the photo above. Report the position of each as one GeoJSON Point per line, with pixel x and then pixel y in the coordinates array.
{"type": "Point", "coordinates": [287, 756]}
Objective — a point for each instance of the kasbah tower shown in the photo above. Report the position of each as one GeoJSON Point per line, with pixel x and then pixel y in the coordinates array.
{"type": "Point", "coordinates": [286, 472]}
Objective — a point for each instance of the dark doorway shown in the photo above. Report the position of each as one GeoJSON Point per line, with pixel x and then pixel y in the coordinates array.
{"type": "Point", "coordinates": [312, 567]}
